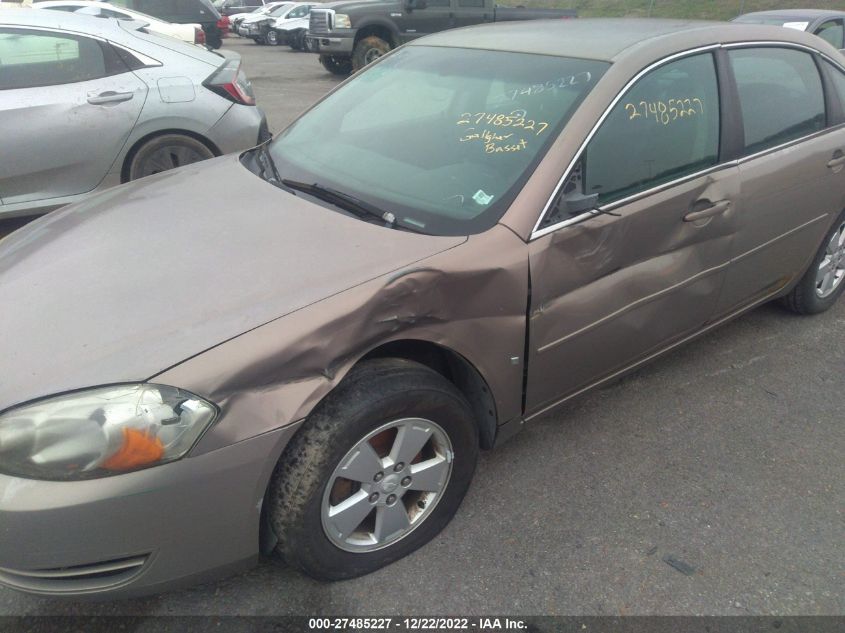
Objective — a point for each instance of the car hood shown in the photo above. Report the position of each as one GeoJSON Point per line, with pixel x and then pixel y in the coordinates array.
{"type": "Point", "coordinates": [143, 276]}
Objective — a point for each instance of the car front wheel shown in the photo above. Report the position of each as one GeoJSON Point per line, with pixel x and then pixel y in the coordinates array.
{"type": "Point", "coordinates": [368, 50]}
{"type": "Point", "coordinates": [377, 470]}
{"type": "Point", "coordinates": [272, 38]}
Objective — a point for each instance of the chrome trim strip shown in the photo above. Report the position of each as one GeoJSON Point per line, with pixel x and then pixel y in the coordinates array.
{"type": "Point", "coordinates": [779, 237]}
{"type": "Point", "coordinates": [83, 571]}
{"type": "Point", "coordinates": [634, 304]}
{"type": "Point", "coordinates": [144, 59]}
{"type": "Point", "coordinates": [537, 232]}
{"type": "Point", "coordinates": [654, 355]}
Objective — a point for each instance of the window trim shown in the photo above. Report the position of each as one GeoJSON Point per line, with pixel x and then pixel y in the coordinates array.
{"type": "Point", "coordinates": [145, 60]}
{"type": "Point", "coordinates": [537, 232]}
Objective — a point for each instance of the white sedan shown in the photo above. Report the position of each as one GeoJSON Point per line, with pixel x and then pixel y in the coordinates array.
{"type": "Point", "coordinates": [191, 33]}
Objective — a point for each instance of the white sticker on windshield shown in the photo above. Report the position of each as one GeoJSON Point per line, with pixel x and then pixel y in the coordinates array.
{"type": "Point", "coordinates": [798, 26]}
{"type": "Point", "coordinates": [482, 198]}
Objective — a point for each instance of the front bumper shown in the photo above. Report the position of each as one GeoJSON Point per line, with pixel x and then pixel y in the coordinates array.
{"type": "Point", "coordinates": [325, 45]}
{"type": "Point", "coordinates": [142, 532]}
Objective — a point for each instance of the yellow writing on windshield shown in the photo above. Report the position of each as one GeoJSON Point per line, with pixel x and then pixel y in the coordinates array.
{"type": "Point", "coordinates": [516, 119]}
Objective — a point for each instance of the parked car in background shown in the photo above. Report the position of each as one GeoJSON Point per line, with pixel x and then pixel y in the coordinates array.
{"type": "Point", "coordinates": [288, 27]}
{"type": "Point", "coordinates": [348, 35]}
{"type": "Point", "coordinates": [88, 103]}
{"type": "Point", "coordinates": [229, 7]}
{"type": "Point", "coordinates": [200, 12]}
{"type": "Point", "coordinates": [191, 33]}
{"type": "Point", "coordinates": [236, 18]}
{"type": "Point", "coordinates": [245, 29]}
{"type": "Point", "coordinates": [303, 348]}
{"type": "Point", "coordinates": [828, 25]}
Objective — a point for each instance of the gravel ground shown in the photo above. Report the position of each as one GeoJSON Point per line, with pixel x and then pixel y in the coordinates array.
{"type": "Point", "coordinates": [710, 482]}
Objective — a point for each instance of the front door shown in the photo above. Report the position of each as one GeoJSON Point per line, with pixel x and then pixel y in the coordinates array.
{"type": "Point", "coordinates": [66, 110]}
{"type": "Point", "coordinates": [612, 288]}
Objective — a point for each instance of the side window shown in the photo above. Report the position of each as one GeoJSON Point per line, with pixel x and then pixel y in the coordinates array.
{"type": "Point", "coordinates": [36, 58]}
{"type": "Point", "coordinates": [832, 32]}
{"type": "Point", "coordinates": [837, 78]}
{"type": "Point", "coordinates": [299, 12]}
{"type": "Point", "coordinates": [666, 126]}
{"type": "Point", "coordinates": [478, 4]}
{"type": "Point", "coordinates": [780, 95]}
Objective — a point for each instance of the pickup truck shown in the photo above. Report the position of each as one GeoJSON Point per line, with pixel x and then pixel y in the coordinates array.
{"type": "Point", "coordinates": [349, 35]}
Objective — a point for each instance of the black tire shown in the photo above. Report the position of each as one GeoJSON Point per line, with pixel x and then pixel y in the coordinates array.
{"type": "Point", "coordinates": [296, 40]}
{"type": "Point", "coordinates": [374, 393]}
{"type": "Point", "coordinates": [336, 65]}
{"type": "Point", "coordinates": [174, 149]}
{"type": "Point", "coordinates": [213, 37]}
{"type": "Point", "coordinates": [804, 298]}
{"type": "Point", "coordinates": [367, 50]}
{"type": "Point", "coordinates": [272, 38]}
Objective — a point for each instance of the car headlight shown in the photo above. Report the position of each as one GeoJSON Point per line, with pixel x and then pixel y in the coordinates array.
{"type": "Point", "coordinates": [342, 21]}
{"type": "Point", "coordinates": [101, 432]}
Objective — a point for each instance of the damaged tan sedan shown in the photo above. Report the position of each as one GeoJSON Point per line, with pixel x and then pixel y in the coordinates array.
{"type": "Point", "coordinates": [303, 348]}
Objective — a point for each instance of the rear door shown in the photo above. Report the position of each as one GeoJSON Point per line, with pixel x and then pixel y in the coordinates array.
{"type": "Point", "coordinates": [792, 169]}
{"type": "Point", "coordinates": [613, 287]}
{"type": "Point", "coordinates": [469, 12]}
{"type": "Point", "coordinates": [67, 106]}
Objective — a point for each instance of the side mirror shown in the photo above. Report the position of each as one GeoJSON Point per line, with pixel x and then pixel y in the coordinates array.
{"type": "Point", "coordinates": [410, 5]}
{"type": "Point", "coordinates": [574, 204]}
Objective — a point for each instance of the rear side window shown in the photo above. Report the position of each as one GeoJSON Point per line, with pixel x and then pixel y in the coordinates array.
{"type": "Point", "coordinates": [37, 58]}
{"type": "Point", "coordinates": [666, 126]}
{"type": "Point", "coordinates": [833, 33]}
{"type": "Point", "coordinates": [837, 78]}
{"type": "Point", "coordinates": [780, 95]}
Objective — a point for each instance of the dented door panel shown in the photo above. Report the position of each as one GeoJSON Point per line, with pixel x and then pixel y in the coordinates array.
{"type": "Point", "coordinates": [614, 289]}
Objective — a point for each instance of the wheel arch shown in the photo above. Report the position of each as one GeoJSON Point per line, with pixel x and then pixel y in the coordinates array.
{"type": "Point", "coordinates": [453, 367]}
{"type": "Point", "coordinates": [380, 29]}
{"type": "Point", "coordinates": [130, 154]}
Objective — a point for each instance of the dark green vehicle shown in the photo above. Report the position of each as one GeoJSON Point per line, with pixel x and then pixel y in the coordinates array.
{"type": "Point", "coordinates": [350, 35]}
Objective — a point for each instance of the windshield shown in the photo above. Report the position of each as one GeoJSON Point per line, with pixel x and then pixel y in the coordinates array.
{"type": "Point", "coordinates": [280, 9]}
{"type": "Point", "coordinates": [443, 138]}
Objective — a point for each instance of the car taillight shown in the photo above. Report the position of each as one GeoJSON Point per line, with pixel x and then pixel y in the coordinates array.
{"type": "Point", "coordinates": [199, 36]}
{"type": "Point", "coordinates": [223, 23]}
{"type": "Point", "coordinates": [230, 81]}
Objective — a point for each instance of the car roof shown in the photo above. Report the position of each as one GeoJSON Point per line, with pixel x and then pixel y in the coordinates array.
{"type": "Point", "coordinates": [810, 14]}
{"type": "Point", "coordinates": [606, 39]}
{"type": "Point", "coordinates": [76, 22]}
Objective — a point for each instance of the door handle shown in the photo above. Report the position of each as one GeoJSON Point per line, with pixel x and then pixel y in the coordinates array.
{"type": "Point", "coordinates": [838, 160]}
{"type": "Point", "coordinates": [110, 96]}
{"type": "Point", "coordinates": [709, 212]}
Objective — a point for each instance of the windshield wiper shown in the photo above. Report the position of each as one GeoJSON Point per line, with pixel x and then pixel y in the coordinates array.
{"type": "Point", "coordinates": [343, 200]}
{"type": "Point", "coordinates": [268, 166]}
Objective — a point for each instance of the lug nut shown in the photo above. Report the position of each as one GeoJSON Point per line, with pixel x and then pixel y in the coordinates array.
{"type": "Point", "coordinates": [406, 481]}
{"type": "Point", "coordinates": [391, 500]}
{"type": "Point", "coordinates": [374, 497]}
{"type": "Point", "coordinates": [378, 477]}
{"type": "Point", "coordinates": [399, 466]}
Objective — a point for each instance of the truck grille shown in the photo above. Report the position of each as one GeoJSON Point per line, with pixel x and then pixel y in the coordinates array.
{"type": "Point", "coordinates": [320, 21]}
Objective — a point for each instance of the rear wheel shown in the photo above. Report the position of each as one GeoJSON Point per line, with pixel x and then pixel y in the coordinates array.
{"type": "Point", "coordinates": [336, 65]}
{"type": "Point", "coordinates": [165, 152]}
{"type": "Point", "coordinates": [377, 470]}
{"type": "Point", "coordinates": [824, 281]}
{"type": "Point", "coordinates": [368, 50]}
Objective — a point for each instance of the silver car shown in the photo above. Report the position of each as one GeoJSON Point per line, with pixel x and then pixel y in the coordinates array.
{"type": "Point", "coordinates": [87, 103]}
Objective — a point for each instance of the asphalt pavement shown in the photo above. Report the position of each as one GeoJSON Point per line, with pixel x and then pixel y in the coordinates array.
{"type": "Point", "coordinates": [710, 482]}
